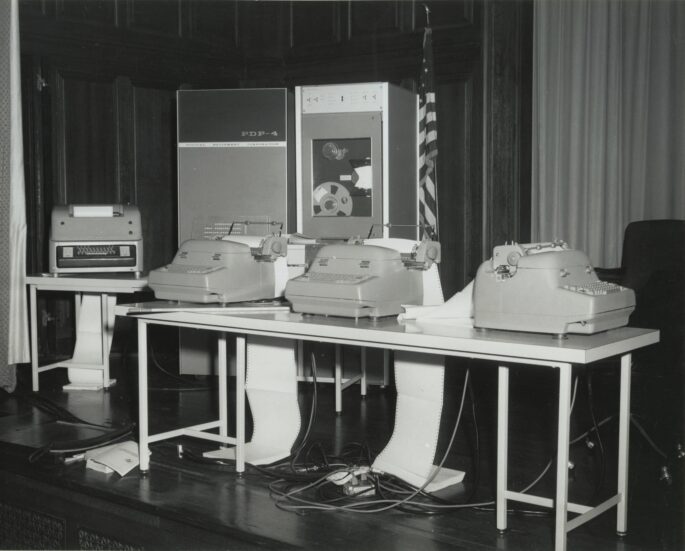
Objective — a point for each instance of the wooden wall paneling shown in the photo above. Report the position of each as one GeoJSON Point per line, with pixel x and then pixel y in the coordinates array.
{"type": "Point", "coordinates": [263, 29]}
{"type": "Point", "coordinates": [315, 23]}
{"type": "Point", "coordinates": [445, 14]}
{"type": "Point", "coordinates": [125, 140]}
{"type": "Point", "coordinates": [140, 56]}
{"type": "Point", "coordinates": [506, 129]}
{"type": "Point", "coordinates": [392, 58]}
{"type": "Point", "coordinates": [458, 181]}
{"type": "Point", "coordinates": [212, 22]}
{"type": "Point", "coordinates": [473, 191]}
{"type": "Point", "coordinates": [164, 41]}
{"type": "Point", "coordinates": [34, 184]}
{"type": "Point", "coordinates": [377, 18]}
{"type": "Point", "coordinates": [162, 18]}
{"type": "Point", "coordinates": [91, 11]}
{"type": "Point", "coordinates": [85, 139]}
{"type": "Point", "coordinates": [154, 126]}
{"type": "Point", "coordinates": [37, 7]}
{"type": "Point", "coordinates": [459, 103]}
{"type": "Point", "coordinates": [57, 138]}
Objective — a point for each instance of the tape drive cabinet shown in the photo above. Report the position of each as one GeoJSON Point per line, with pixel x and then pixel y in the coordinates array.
{"type": "Point", "coordinates": [357, 170]}
{"type": "Point", "coordinates": [95, 238]}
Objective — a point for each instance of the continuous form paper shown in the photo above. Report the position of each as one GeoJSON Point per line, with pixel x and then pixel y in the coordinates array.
{"type": "Point", "coordinates": [88, 347]}
{"type": "Point", "coordinates": [419, 379]}
{"type": "Point", "coordinates": [457, 311]}
{"type": "Point", "coordinates": [410, 453]}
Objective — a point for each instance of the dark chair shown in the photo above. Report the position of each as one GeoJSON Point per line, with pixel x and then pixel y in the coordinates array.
{"type": "Point", "coordinates": [649, 246]}
{"type": "Point", "coordinates": [653, 265]}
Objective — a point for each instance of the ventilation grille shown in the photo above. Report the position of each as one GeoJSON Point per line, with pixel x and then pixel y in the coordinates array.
{"type": "Point", "coordinates": [88, 539]}
{"type": "Point", "coordinates": [24, 529]}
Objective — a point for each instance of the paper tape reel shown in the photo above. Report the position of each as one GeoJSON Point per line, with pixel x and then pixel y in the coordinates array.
{"type": "Point", "coordinates": [332, 199]}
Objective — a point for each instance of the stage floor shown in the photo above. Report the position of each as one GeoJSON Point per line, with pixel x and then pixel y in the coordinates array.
{"type": "Point", "coordinates": [184, 503]}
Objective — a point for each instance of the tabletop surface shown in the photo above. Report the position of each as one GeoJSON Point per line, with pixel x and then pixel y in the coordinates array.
{"type": "Point", "coordinates": [120, 282]}
{"type": "Point", "coordinates": [437, 337]}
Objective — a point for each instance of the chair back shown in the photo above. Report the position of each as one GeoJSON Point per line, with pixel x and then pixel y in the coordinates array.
{"type": "Point", "coordinates": [651, 246]}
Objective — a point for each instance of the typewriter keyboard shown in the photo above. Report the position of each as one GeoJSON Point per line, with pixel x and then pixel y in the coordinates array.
{"type": "Point", "coordinates": [596, 288]}
{"type": "Point", "coordinates": [97, 250]}
{"type": "Point", "coordinates": [324, 277]}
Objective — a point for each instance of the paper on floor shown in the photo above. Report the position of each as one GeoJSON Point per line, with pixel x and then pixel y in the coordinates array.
{"type": "Point", "coordinates": [120, 458]}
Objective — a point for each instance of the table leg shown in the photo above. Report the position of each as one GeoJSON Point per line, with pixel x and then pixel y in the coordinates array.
{"type": "Point", "coordinates": [223, 385]}
{"type": "Point", "coordinates": [386, 368]}
{"type": "Point", "coordinates": [34, 337]}
{"type": "Point", "coordinates": [78, 297]}
{"type": "Point", "coordinates": [562, 456]}
{"type": "Point", "coordinates": [623, 445]}
{"type": "Point", "coordinates": [502, 445]}
{"type": "Point", "coordinates": [338, 378]}
{"type": "Point", "coordinates": [300, 358]}
{"type": "Point", "coordinates": [104, 322]}
{"type": "Point", "coordinates": [143, 450]}
{"type": "Point", "coordinates": [240, 366]}
{"type": "Point", "coordinates": [363, 370]}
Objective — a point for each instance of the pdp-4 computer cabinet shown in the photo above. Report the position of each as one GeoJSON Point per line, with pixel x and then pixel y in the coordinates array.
{"type": "Point", "coordinates": [234, 157]}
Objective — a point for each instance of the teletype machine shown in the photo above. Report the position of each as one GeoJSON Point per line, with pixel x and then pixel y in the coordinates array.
{"type": "Point", "coordinates": [231, 269]}
{"type": "Point", "coordinates": [547, 288]}
{"type": "Point", "coordinates": [95, 238]}
{"type": "Point", "coordinates": [95, 251]}
{"type": "Point", "coordinates": [358, 280]}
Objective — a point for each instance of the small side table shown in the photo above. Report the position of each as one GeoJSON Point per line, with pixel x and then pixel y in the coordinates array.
{"type": "Point", "coordinates": [95, 298]}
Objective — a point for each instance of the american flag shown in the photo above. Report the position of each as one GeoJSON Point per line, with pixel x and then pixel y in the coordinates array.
{"type": "Point", "coordinates": [428, 142]}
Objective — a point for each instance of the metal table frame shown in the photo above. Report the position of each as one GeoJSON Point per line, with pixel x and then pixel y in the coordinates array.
{"type": "Point", "coordinates": [104, 285]}
{"type": "Point", "coordinates": [498, 346]}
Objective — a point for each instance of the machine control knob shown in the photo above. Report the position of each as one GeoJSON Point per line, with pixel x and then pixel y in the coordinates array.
{"type": "Point", "coordinates": [513, 258]}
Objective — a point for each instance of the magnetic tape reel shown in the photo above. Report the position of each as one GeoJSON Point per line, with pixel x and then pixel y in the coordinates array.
{"type": "Point", "coordinates": [332, 199]}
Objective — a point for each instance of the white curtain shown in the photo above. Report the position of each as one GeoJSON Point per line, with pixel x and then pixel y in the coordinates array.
{"type": "Point", "coordinates": [608, 120]}
{"type": "Point", "coordinates": [14, 342]}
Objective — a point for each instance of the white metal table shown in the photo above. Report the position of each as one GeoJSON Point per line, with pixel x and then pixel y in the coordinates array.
{"type": "Point", "coordinates": [502, 347]}
{"type": "Point", "coordinates": [95, 297]}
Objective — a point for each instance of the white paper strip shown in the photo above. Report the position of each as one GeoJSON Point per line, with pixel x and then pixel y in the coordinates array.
{"type": "Point", "coordinates": [457, 311]}
{"type": "Point", "coordinates": [249, 240]}
{"type": "Point", "coordinates": [271, 386]}
{"type": "Point", "coordinates": [92, 211]}
{"type": "Point", "coordinates": [410, 452]}
{"type": "Point", "coordinates": [89, 340]}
